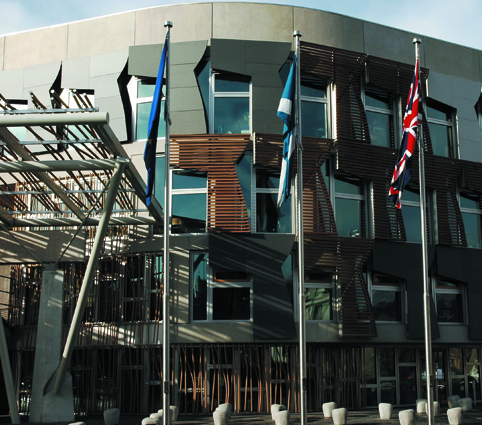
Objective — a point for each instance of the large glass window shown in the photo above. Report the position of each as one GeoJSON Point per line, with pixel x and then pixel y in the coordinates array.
{"type": "Point", "coordinates": [471, 215]}
{"type": "Point", "coordinates": [230, 104]}
{"type": "Point", "coordinates": [219, 294]}
{"type": "Point", "coordinates": [411, 215]}
{"type": "Point", "coordinates": [450, 301]}
{"type": "Point", "coordinates": [314, 104]}
{"type": "Point", "coordinates": [380, 111]}
{"type": "Point", "coordinates": [318, 296]}
{"type": "Point", "coordinates": [270, 218]}
{"type": "Point", "coordinates": [141, 92]}
{"type": "Point", "coordinates": [387, 297]}
{"type": "Point", "coordinates": [440, 120]}
{"type": "Point", "coordinates": [349, 206]}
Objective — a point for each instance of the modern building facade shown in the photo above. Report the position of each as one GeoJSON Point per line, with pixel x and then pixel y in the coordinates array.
{"type": "Point", "coordinates": [233, 274]}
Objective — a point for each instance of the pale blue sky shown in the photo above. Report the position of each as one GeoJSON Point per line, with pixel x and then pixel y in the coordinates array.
{"type": "Point", "coordinates": [454, 21]}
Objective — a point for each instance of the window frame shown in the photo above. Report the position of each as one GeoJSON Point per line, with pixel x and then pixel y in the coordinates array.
{"type": "Point", "coordinates": [211, 285]}
{"type": "Point", "coordinates": [449, 124]}
{"type": "Point", "coordinates": [387, 287]}
{"type": "Point", "coordinates": [319, 284]}
{"type": "Point", "coordinates": [472, 212]}
{"type": "Point", "coordinates": [305, 82]}
{"type": "Point", "coordinates": [213, 95]}
{"type": "Point", "coordinates": [459, 290]}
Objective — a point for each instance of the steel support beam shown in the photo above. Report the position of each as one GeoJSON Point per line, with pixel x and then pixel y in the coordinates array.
{"type": "Point", "coordinates": [89, 276]}
{"type": "Point", "coordinates": [71, 222]}
{"type": "Point", "coordinates": [46, 166]}
{"type": "Point", "coordinates": [43, 119]}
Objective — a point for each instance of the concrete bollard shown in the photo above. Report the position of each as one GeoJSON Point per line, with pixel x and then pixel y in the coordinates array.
{"type": "Point", "coordinates": [159, 414]}
{"type": "Point", "coordinates": [111, 416]}
{"type": "Point", "coordinates": [436, 408]}
{"type": "Point", "coordinates": [421, 406]}
{"type": "Point", "coordinates": [455, 416]}
{"type": "Point", "coordinates": [465, 403]}
{"type": "Point", "coordinates": [174, 413]}
{"type": "Point", "coordinates": [407, 417]}
{"type": "Point", "coordinates": [340, 416]}
{"type": "Point", "coordinates": [385, 410]}
{"type": "Point", "coordinates": [328, 409]}
{"type": "Point", "coordinates": [282, 417]}
{"type": "Point", "coordinates": [220, 417]}
{"type": "Point", "coordinates": [225, 407]}
{"type": "Point", "coordinates": [453, 401]}
{"type": "Point", "coordinates": [275, 408]}
{"type": "Point", "coordinates": [150, 421]}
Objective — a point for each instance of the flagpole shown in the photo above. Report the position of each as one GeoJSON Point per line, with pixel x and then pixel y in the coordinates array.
{"type": "Point", "coordinates": [301, 256]}
{"type": "Point", "coordinates": [426, 294]}
{"type": "Point", "coordinates": [166, 345]}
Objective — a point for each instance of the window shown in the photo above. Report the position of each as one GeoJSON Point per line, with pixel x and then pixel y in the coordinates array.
{"type": "Point", "coordinates": [471, 215]}
{"type": "Point", "coordinates": [230, 104]}
{"type": "Point", "coordinates": [318, 296]}
{"type": "Point", "coordinates": [382, 116]}
{"type": "Point", "coordinates": [387, 297]}
{"type": "Point", "coordinates": [411, 215]}
{"type": "Point", "coordinates": [270, 218]}
{"type": "Point", "coordinates": [189, 201]}
{"type": "Point", "coordinates": [349, 206]}
{"type": "Point", "coordinates": [440, 120]}
{"type": "Point", "coordinates": [314, 103]}
{"type": "Point", "coordinates": [449, 301]}
{"type": "Point", "coordinates": [244, 172]}
{"type": "Point", "coordinates": [219, 295]}
{"type": "Point", "coordinates": [141, 92]}
{"type": "Point", "coordinates": [188, 198]}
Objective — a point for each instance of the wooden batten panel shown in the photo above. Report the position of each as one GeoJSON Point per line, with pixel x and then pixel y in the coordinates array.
{"type": "Point", "coordinates": [216, 155]}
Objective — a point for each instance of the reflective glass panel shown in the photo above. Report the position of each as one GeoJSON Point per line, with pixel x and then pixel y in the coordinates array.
{"type": "Point", "coordinates": [199, 282]}
{"type": "Point", "coordinates": [349, 217]}
{"type": "Point", "coordinates": [377, 100]}
{"type": "Point", "coordinates": [287, 270]}
{"type": "Point", "coordinates": [189, 213]}
{"type": "Point", "coordinates": [469, 201]}
{"type": "Point", "coordinates": [387, 361]}
{"type": "Point", "coordinates": [313, 118]}
{"type": "Point", "coordinates": [231, 304]}
{"type": "Point", "coordinates": [472, 355]}
{"type": "Point", "coordinates": [407, 376]}
{"type": "Point", "coordinates": [142, 123]}
{"type": "Point", "coordinates": [438, 114]}
{"type": "Point", "coordinates": [145, 88]}
{"type": "Point", "coordinates": [313, 90]}
{"type": "Point", "coordinates": [159, 180]}
{"type": "Point", "coordinates": [411, 220]}
{"type": "Point", "coordinates": [349, 185]}
{"type": "Point", "coordinates": [370, 365]}
{"type": "Point", "coordinates": [231, 115]}
{"type": "Point", "coordinates": [449, 308]}
{"type": "Point", "coordinates": [231, 83]}
{"type": "Point", "coordinates": [406, 355]}
{"type": "Point", "coordinates": [266, 179]}
{"type": "Point", "coordinates": [318, 304]}
{"type": "Point", "coordinates": [243, 169]}
{"type": "Point", "coordinates": [387, 305]}
{"type": "Point", "coordinates": [441, 136]}
{"type": "Point", "coordinates": [188, 180]}
{"type": "Point", "coordinates": [473, 231]}
{"type": "Point", "coordinates": [388, 392]}
{"type": "Point", "coordinates": [270, 218]}
{"type": "Point", "coordinates": [379, 126]}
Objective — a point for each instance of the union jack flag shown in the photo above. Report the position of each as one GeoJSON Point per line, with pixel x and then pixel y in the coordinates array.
{"type": "Point", "coordinates": [403, 167]}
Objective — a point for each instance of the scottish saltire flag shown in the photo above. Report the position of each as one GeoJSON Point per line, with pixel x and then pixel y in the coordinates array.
{"type": "Point", "coordinates": [286, 111]}
{"type": "Point", "coordinates": [401, 174]}
{"type": "Point", "coordinates": [153, 127]}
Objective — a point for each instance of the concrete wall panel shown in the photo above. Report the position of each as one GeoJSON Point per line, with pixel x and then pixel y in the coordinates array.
{"type": "Point", "coordinates": [75, 73]}
{"type": "Point", "coordinates": [249, 21]}
{"type": "Point", "coordinates": [104, 86]}
{"type": "Point", "coordinates": [46, 245]}
{"type": "Point", "coordinates": [328, 29]}
{"type": "Point", "coordinates": [192, 122]}
{"type": "Point", "coordinates": [190, 22]}
{"type": "Point", "coordinates": [11, 83]}
{"type": "Point", "coordinates": [101, 35]}
{"type": "Point", "coordinates": [35, 47]}
{"type": "Point", "coordinates": [400, 48]}
{"type": "Point", "coordinates": [2, 48]}
{"type": "Point", "coordinates": [108, 63]}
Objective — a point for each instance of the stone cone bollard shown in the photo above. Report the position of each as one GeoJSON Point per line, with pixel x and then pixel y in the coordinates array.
{"type": "Point", "coordinates": [151, 421]}
{"type": "Point", "coordinates": [328, 408]}
{"type": "Point", "coordinates": [174, 410]}
{"type": "Point", "coordinates": [220, 417]}
{"type": "Point", "coordinates": [385, 410]}
{"type": "Point", "coordinates": [465, 404]}
{"type": "Point", "coordinates": [111, 416]}
{"type": "Point", "coordinates": [282, 417]}
{"type": "Point", "coordinates": [160, 412]}
{"type": "Point", "coordinates": [436, 408]}
{"type": "Point", "coordinates": [455, 416]}
{"type": "Point", "coordinates": [225, 407]}
{"type": "Point", "coordinates": [340, 416]}
{"type": "Point", "coordinates": [275, 408]}
{"type": "Point", "coordinates": [407, 417]}
{"type": "Point", "coordinates": [453, 401]}
{"type": "Point", "coordinates": [421, 406]}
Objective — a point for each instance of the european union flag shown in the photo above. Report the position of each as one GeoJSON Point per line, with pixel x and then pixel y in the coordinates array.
{"type": "Point", "coordinates": [286, 111]}
{"type": "Point", "coordinates": [153, 128]}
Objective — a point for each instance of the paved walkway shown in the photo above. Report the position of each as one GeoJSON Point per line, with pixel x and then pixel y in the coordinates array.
{"type": "Point", "coordinates": [366, 417]}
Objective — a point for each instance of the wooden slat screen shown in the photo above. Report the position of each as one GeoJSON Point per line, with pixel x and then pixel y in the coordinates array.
{"type": "Point", "coordinates": [216, 155]}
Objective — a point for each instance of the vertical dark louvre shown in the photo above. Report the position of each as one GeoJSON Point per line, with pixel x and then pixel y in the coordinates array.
{"type": "Point", "coordinates": [216, 155]}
